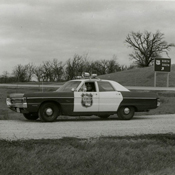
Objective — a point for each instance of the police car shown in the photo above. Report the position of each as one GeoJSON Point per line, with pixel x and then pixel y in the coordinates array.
{"type": "Point", "coordinates": [83, 97]}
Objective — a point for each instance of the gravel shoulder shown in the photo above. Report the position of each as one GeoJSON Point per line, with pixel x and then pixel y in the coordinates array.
{"type": "Point", "coordinates": [86, 128]}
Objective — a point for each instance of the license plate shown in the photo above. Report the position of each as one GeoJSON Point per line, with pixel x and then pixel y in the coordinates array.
{"type": "Point", "coordinates": [17, 110]}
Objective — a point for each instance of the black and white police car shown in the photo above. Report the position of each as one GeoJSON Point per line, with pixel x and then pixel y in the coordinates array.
{"type": "Point", "coordinates": [83, 97]}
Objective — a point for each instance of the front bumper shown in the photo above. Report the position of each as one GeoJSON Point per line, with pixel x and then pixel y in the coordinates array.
{"type": "Point", "coordinates": [17, 104]}
{"type": "Point", "coordinates": [19, 110]}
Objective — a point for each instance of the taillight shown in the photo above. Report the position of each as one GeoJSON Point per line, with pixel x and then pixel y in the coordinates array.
{"type": "Point", "coordinates": [158, 102]}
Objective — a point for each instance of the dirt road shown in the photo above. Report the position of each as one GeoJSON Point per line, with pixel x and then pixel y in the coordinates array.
{"type": "Point", "coordinates": [86, 128]}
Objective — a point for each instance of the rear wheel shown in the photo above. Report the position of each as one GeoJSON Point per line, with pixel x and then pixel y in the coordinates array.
{"type": "Point", "coordinates": [126, 113]}
{"type": "Point", "coordinates": [31, 116]}
{"type": "Point", "coordinates": [49, 112]}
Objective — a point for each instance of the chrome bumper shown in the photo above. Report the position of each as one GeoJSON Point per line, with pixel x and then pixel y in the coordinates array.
{"type": "Point", "coordinates": [17, 104]}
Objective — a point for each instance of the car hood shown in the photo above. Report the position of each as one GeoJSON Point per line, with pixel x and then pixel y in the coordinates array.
{"type": "Point", "coordinates": [15, 95]}
{"type": "Point", "coordinates": [49, 94]}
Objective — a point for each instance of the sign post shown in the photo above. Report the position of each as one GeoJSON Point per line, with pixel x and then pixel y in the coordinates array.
{"type": "Point", "coordinates": [162, 65]}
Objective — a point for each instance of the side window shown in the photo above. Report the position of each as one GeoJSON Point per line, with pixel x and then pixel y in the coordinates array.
{"type": "Point", "coordinates": [105, 86]}
{"type": "Point", "coordinates": [90, 87]}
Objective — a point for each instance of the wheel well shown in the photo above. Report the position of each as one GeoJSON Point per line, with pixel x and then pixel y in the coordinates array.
{"type": "Point", "coordinates": [51, 101]}
{"type": "Point", "coordinates": [136, 110]}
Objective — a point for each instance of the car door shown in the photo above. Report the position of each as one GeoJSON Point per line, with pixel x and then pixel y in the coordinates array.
{"type": "Point", "coordinates": [109, 98]}
{"type": "Point", "coordinates": [86, 100]}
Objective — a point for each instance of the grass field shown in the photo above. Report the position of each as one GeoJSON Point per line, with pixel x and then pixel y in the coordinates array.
{"type": "Point", "coordinates": [141, 77]}
{"type": "Point", "coordinates": [139, 155]}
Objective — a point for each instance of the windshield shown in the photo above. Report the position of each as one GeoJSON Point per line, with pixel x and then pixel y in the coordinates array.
{"type": "Point", "coordinates": [68, 86]}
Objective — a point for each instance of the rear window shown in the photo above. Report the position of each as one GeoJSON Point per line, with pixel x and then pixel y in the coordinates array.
{"type": "Point", "coordinates": [105, 86]}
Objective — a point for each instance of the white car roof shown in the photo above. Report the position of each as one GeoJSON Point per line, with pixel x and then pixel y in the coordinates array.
{"type": "Point", "coordinates": [116, 85]}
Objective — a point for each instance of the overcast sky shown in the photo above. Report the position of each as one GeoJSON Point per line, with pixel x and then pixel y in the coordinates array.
{"type": "Point", "coordinates": [33, 31]}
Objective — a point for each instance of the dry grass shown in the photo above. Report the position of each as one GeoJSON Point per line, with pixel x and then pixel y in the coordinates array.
{"type": "Point", "coordinates": [151, 154]}
{"type": "Point", "coordinates": [141, 77]}
{"type": "Point", "coordinates": [141, 155]}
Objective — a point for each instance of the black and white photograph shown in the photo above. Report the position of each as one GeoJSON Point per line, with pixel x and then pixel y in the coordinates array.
{"type": "Point", "coordinates": [87, 87]}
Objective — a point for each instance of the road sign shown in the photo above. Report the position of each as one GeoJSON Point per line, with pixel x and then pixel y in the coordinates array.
{"type": "Point", "coordinates": [162, 65]}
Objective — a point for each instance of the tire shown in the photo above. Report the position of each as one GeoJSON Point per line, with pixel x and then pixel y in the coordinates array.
{"type": "Point", "coordinates": [104, 116]}
{"type": "Point", "coordinates": [126, 112]}
{"type": "Point", "coordinates": [31, 116]}
{"type": "Point", "coordinates": [49, 112]}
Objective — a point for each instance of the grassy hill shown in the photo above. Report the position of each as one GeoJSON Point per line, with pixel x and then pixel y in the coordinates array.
{"type": "Point", "coordinates": [141, 77]}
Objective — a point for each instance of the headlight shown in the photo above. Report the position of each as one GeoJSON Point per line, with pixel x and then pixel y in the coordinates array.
{"type": "Point", "coordinates": [17, 102]}
{"type": "Point", "coordinates": [8, 102]}
{"type": "Point", "coordinates": [25, 102]}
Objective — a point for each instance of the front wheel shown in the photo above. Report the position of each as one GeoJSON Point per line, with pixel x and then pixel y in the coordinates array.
{"type": "Point", "coordinates": [126, 113]}
{"type": "Point", "coordinates": [31, 116]}
{"type": "Point", "coordinates": [49, 112]}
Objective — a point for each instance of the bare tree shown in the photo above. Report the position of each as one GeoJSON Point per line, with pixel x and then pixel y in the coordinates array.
{"type": "Point", "coordinates": [99, 67]}
{"type": "Point", "coordinates": [57, 69]}
{"type": "Point", "coordinates": [4, 78]}
{"type": "Point", "coordinates": [76, 66]}
{"type": "Point", "coordinates": [47, 71]}
{"type": "Point", "coordinates": [147, 46]}
{"type": "Point", "coordinates": [23, 73]}
{"type": "Point", "coordinates": [113, 66]}
{"type": "Point", "coordinates": [38, 73]}
{"type": "Point", "coordinates": [102, 67]}
{"type": "Point", "coordinates": [29, 68]}
{"type": "Point", "coordinates": [19, 73]}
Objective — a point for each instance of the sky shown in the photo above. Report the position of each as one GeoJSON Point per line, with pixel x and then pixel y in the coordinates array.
{"type": "Point", "coordinates": [34, 31]}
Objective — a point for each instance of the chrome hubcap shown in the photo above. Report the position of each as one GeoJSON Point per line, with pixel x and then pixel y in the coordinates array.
{"type": "Point", "coordinates": [126, 110]}
{"type": "Point", "coordinates": [49, 111]}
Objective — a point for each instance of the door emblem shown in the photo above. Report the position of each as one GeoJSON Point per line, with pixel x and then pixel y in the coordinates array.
{"type": "Point", "coordinates": [87, 100]}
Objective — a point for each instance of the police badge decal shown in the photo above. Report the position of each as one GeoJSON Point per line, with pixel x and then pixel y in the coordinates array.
{"type": "Point", "coordinates": [87, 100]}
